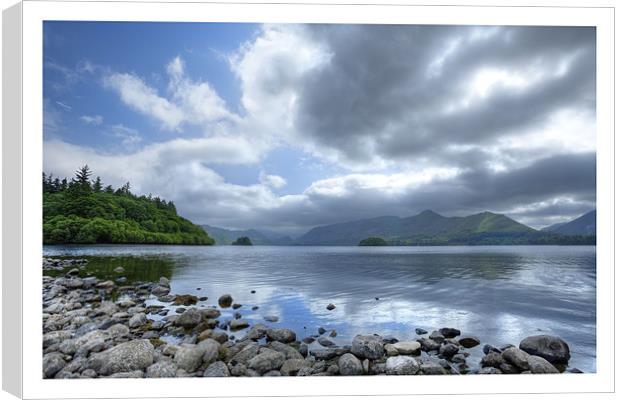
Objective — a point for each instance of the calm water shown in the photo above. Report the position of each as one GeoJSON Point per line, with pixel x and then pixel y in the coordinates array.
{"type": "Point", "coordinates": [500, 294]}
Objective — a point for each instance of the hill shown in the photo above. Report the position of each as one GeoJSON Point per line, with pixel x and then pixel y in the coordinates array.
{"type": "Point", "coordinates": [227, 236]}
{"type": "Point", "coordinates": [430, 228]}
{"type": "Point", "coordinates": [583, 225]}
{"type": "Point", "coordinates": [83, 211]}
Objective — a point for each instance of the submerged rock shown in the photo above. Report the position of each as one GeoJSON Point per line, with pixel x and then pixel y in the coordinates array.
{"type": "Point", "coordinates": [225, 301]}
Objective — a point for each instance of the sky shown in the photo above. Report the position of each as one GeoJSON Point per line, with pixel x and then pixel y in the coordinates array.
{"type": "Point", "coordinates": [287, 127]}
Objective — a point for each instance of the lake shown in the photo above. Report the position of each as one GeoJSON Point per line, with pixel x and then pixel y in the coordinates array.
{"type": "Point", "coordinates": [501, 294]}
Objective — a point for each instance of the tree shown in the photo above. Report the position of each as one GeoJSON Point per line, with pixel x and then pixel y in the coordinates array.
{"type": "Point", "coordinates": [373, 241]}
{"type": "Point", "coordinates": [81, 183]}
{"type": "Point", "coordinates": [242, 241]}
{"type": "Point", "coordinates": [97, 185]}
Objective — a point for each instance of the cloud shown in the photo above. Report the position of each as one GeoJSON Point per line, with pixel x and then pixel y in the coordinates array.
{"type": "Point", "coordinates": [92, 119]}
{"type": "Point", "coordinates": [64, 106]}
{"type": "Point", "coordinates": [273, 181]}
{"type": "Point", "coordinates": [129, 137]}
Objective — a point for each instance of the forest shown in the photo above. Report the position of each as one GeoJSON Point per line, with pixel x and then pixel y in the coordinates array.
{"type": "Point", "coordinates": [83, 210]}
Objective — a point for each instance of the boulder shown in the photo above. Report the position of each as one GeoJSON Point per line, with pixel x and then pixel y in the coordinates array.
{"type": "Point", "coordinates": [436, 336]}
{"type": "Point", "coordinates": [551, 348]}
{"type": "Point", "coordinates": [185, 300]}
{"type": "Point", "coordinates": [281, 335]}
{"type": "Point", "coordinates": [290, 367]}
{"type": "Point", "coordinates": [432, 368]}
{"type": "Point", "coordinates": [401, 365]}
{"type": "Point", "coordinates": [448, 350]}
{"type": "Point", "coordinates": [407, 348]}
{"type": "Point", "coordinates": [469, 341]}
{"type": "Point", "coordinates": [348, 364]}
{"type": "Point", "coordinates": [125, 357]}
{"type": "Point", "coordinates": [516, 357]}
{"type": "Point", "coordinates": [492, 359]}
{"type": "Point", "coordinates": [218, 368]}
{"type": "Point", "coordinates": [189, 356]}
{"type": "Point", "coordinates": [326, 342]}
{"type": "Point", "coordinates": [449, 332]}
{"type": "Point", "coordinates": [367, 346]}
{"type": "Point", "coordinates": [539, 365]}
{"type": "Point", "coordinates": [266, 361]}
{"type": "Point", "coordinates": [288, 351]}
{"type": "Point", "coordinates": [210, 313]}
{"type": "Point", "coordinates": [189, 319]}
{"type": "Point", "coordinates": [428, 344]}
{"type": "Point", "coordinates": [162, 369]}
{"type": "Point", "coordinates": [238, 324]}
{"type": "Point", "coordinates": [52, 363]}
{"type": "Point", "coordinates": [138, 320]}
{"type": "Point", "coordinates": [225, 301]}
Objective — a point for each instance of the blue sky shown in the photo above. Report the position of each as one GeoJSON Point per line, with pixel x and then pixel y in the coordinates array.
{"type": "Point", "coordinates": [291, 126]}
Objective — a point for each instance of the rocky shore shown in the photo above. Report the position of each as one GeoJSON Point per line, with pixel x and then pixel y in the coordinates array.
{"type": "Point", "coordinates": [95, 328]}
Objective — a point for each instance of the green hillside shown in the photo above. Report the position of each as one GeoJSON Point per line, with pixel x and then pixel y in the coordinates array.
{"type": "Point", "coordinates": [83, 211]}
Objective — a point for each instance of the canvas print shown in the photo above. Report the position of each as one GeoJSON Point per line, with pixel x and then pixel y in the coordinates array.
{"type": "Point", "coordinates": [262, 200]}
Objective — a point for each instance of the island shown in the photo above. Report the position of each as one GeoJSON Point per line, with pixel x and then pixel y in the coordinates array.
{"type": "Point", "coordinates": [242, 241]}
{"type": "Point", "coordinates": [373, 241]}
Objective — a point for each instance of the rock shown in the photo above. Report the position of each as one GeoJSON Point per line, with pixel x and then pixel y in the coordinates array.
{"type": "Point", "coordinates": [288, 351]}
{"type": "Point", "coordinates": [308, 340]}
{"type": "Point", "coordinates": [489, 371]}
{"type": "Point", "coordinates": [539, 365]}
{"type": "Point", "coordinates": [218, 368]}
{"type": "Point", "coordinates": [236, 306]}
{"type": "Point", "coordinates": [128, 375]}
{"type": "Point", "coordinates": [449, 332]}
{"type": "Point", "coordinates": [330, 306]}
{"type": "Point", "coordinates": [401, 365]}
{"type": "Point", "coordinates": [117, 330]}
{"type": "Point", "coordinates": [321, 330]}
{"type": "Point", "coordinates": [333, 333]}
{"type": "Point", "coordinates": [210, 313]}
{"type": "Point", "coordinates": [238, 324]}
{"type": "Point", "coordinates": [189, 357]}
{"type": "Point", "coordinates": [516, 357]}
{"type": "Point", "coordinates": [488, 348]}
{"type": "Point", "coordinates": [420, 331]}
{"type": "Point", "coordinates": [428, 344]}
{"type": "Point", "coordinates": [366, 366]}
{"type": "Point", "coordinates": [185, 300]}
{"type": "Point", "coordinates": [168, 298]}
{"type": "Point", "coordinates": [225, 300]}
{"type": "Point", "coordinates": [160, 290]}
{"type": "Point", "coordinates": [189, 319]}
{"type": "Point", "coordinates": [327, 353]}
{"type": "Point", "coordinates": [492, 359]}
{"type": "Point", "coordinates": [390, 350]}
{"type": "Point", "coordinates": [573, 370]}
{"type": "Point", "coordinates": [52, 363]}
{"type": "Point", "coordinates": [348, 364]}
{"type": "Point", "coordinates": [211, 350]}
{"type": "Point", "coordinates": [239, 370]}
{"type": "Point", "coordinates": [367, 346]}
{"type": "Point", "coordinates": [326, 342]}
{"type": "Point", "coordinates": [508, 368]}
{"type": "Point", "coordinates": [272, 373]}
{"type": "Point", "coordinates": [290, 367]}
{"type": "Point", "coordinates": [164, 281]}
{"type": "Point", "coordinates": [125, 357]}
{"type": "Point", "coordinates": [407, 348]}
{"type": "Point", "coordinates": [551, 348]}
{"type": "Point", "coordinates": [281, 335]}
{"type": "Point", "coordinates": [119, 270]}
{"type": "Point", "coordinates": [459, 358]}
{"type": "Point", "coordinates": [271, 318]}
{"type": "Point", "coordinates": [105, 285]}
{"type": "Point", "coordinates": [162, 369]}
{"type": "Point", "coordinates": [432, 368]}
{"type": "Point", "coordinates": [267, 360]}
{"type": "Point", "coordinates": [436, 336]}
{"type": "Point", "coordinates": [243, 353]}
{"type": "Point", "coordinates": [448, 350]}
{"type": "Point", "coordinates": [138, 320]}
{"type": "Point", "coordinates": [303, 350]}
{"type": "Point", "coordinates": [258, 331]}
{"type": "Point", "coordinates": [469, 341]}
{"type": "Point", "coordinates": [55, 337]}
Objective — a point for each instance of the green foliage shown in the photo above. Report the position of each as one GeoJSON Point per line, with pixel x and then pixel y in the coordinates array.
{"type": "Point", "coordinates": [82, 212]}
{"type": "Point", "coordinates": [373, 241]}
{"type": "Point", "coordinates": [242, 241]}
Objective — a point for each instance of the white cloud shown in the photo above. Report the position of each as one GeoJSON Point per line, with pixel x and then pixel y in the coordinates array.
{"type": "Point", "coordinates": [92, 119]}
{"type": "Point", "coordinates": [273, 181]}
{"type": "Point", "coordinates": [64, 106]}
{"type": "Point", "coordinates": [129, 137]}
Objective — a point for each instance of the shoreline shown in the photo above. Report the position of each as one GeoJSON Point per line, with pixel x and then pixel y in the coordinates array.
{"type": "Point", "coordinates": [98, 329]}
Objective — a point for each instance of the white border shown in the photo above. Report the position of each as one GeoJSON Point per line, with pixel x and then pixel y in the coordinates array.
{"type": "Point", "coordinates": [35, 12]}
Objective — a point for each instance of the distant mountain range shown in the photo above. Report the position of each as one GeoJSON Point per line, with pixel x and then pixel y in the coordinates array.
{"type": "Point", "coordinates": [584, 225]}
{"type": "Point", "coordinates": [227, 236]}
{"type": "Point", "coordinates": [426, 228]}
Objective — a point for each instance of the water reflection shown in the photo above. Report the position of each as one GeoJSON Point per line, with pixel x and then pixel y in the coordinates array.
{"type": "Point", "coordinates": [500, 294]}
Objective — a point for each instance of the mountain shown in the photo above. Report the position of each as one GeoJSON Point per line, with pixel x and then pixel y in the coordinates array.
{"type": "Point", "coordinates": [584, 225]}
{"type": "Point", "coordinates": [227, 236]}
{"type": "Point", "coordinates": [428, 227]}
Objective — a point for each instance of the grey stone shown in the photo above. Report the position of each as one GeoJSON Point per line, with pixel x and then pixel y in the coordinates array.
{"type": "Point", "coordinates": [489, 371]}
{"type": "Point", "coordinates": [539, 365]}
{"type": "Point", "coordinates": [436, 336]}
{"type": "Point", "coordinates": [216, 369]}
{"type": "Point", "coordinates": [428, 344]}
{"type": "Point", "coordinates": [516, 357]}
{"type": "Point", "coordinates": [469, 341]}
{"type": "Point", "coordinates": [492, 359]}
{"type": "Point", "coordinates": [52, 363]}
{"type": "Point", "coordinates": [348, 364]}
{"type": "Point", "coordinates": [551, 348]}
{"type": "Point", "coordinates": [448, 350]}
{"type": "Point", "coordinates": [266, 361]}
{"type": "Point", "coordinates": [189, 319]}
{"type": "Point", "coordinates": [407, 348]}
{"type": "Point", "coordinates": [189, 357]}
{"type": "Point", "coordinates": [326, 342]}
{"type": "Point", "coordinates": [432, 368]}
{"type": "Point", "coordinates": [271, 318]}
{"type": "Point", "coordinates": [129, 374]}
{"type": "Point", "coordinates": [238, 324]}
{"type": "Point", "coordinates": [420, 331]}
{"type": "Point", "coordinates": [225, 301]}
{"type": "Point", "coordinates": [211, 350]}
{"type": "Point", "coordinates": [137, 320]}
{"type": "Point", "coordinates": [281, 335]}
{"type": "Point", "coordinates": [401, 365]}
{"type": "Point", "coordinates": [125, 357]}
{"type": "Point", "coordinates": [367, 346]}
{"type": "Point", "coordinates": [291, 366]}
{"type": "Point", "coordinates": [162, 369]}
{"type": "Point", "coordinates": [449, 332]}
{"type": "Point", "coordinates": [288, 351]}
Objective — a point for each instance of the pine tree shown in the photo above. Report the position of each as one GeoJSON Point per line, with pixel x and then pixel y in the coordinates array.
{"type": "Point", "coordinates": [97, 186]}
